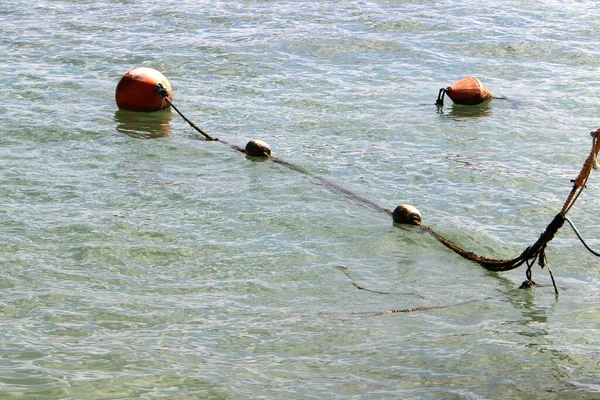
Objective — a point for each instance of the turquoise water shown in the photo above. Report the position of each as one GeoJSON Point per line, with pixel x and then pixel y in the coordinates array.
{"type": "Point", "coordinates": [138, 261]}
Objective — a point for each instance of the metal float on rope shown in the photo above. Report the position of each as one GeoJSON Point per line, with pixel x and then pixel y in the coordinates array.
{"type": "Point", "coordinates": [406, 214]}
{"type": "Point", "coordinates": [258, 148]}
{"type": "Point", "coordinates": [468, 91]}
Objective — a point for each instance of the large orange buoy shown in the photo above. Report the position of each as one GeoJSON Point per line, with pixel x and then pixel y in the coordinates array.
{"type": "Point", "coordinates": [468, 91]}
{"type": "Point", "coordinates": [136, 90]}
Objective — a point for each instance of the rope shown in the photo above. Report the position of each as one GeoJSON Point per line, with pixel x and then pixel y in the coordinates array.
{"type": "Point", "coordinates": [436, 306]}
{"type": "Point", "coordinates": [581, 181]}
{"type": "Point", "coordinates": [501, 265]}
{"type": "Point", "coordinates": [536, 252]}
{"type": "Point", "coordinates": [164, 94]}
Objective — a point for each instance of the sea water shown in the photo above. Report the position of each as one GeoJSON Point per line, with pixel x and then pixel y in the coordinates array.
{"type": "Point", "coordinates": [138, 260]}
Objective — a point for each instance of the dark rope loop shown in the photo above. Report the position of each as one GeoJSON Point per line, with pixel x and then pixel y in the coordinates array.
{"type": "Point", "coordinates": [581, 238]}
{"type": "Point", "coordinates": [529, 273]}
{"type": "Point", "coordinates": [440, 99]}
{"type": "Point", "coordinates": [542, 258]}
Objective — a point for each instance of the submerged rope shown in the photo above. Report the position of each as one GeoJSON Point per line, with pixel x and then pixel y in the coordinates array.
{"type": "Point", "coordinates": [533, 253]}
{"type": "Point", "coordinates": [437, 306]}
{"type": "Point", "coordinates": [335, 187]}
{"type": "Point", "coordinates": [536, 252]}
{"type": "Point", "coordinates": [164, 94]}
{"type": "Point", "coordinates": [501, 265]}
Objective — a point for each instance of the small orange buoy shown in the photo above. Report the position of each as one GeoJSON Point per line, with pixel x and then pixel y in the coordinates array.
{"type": "Point", "coordinates": [136, 90]}
{"type": "Point", "coordinates": [468, 91]}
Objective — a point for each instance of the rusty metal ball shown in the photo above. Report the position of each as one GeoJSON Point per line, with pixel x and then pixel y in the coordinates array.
{"type": "Point", "coordinates": [258, 148]}
{"type": "Point", "coordinates": [406, 214]}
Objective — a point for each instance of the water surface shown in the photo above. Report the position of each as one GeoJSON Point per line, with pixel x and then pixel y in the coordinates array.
{"type": "Point", "coordinates": [139, 261]}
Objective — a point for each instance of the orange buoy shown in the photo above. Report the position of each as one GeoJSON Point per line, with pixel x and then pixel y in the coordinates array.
{"type": "Point", "coordinates": [136, 90]}
{"type": "Point", "coordinates": [468, 91]}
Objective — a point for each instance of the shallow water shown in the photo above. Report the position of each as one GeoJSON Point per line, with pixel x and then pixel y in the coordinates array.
{"type": "Point", "coordinates": [177, 268]}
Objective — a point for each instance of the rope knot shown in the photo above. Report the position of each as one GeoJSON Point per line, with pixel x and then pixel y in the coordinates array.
{"type": "Point", "coordinates": [552, 228]}
{"type": "Point", "coordinates": [161, 90]}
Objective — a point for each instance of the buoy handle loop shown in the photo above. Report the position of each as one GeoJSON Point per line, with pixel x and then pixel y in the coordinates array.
{"type": "Point", "coordinates": [440, 99]}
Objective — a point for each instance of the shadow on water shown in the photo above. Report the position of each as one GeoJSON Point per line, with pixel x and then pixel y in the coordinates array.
{"type": "Point", "coordinates": [533, 327]}
{"type": "Point", "coordinates": [144, 125]}
{"type": "Point", "coordinates": [460, 111]}
{"type": "Point", "coordinates": [534, 315]}
{"type": "Point", "coordinates": [480, 110]}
